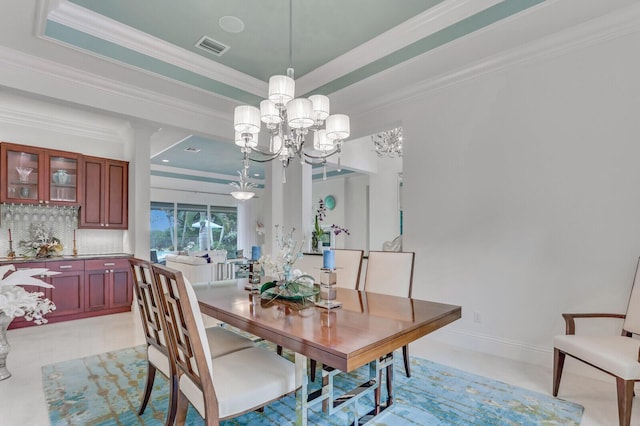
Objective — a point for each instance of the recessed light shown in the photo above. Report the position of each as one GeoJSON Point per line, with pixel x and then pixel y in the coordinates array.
{"type": "Point", "coordinates": [164, 160]}
{"type": "Point", "coordinates": [256, 175]}
{"type": "Point", "coordinates": [192, 149]}
{"type": "Point", "coordinates": [231, 24]}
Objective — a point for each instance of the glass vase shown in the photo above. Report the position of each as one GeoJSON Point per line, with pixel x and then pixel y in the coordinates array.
{"type": "Point", "coordinates": [5, 320]}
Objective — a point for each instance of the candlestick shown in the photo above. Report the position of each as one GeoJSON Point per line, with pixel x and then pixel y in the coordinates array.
{"type": "Point", "coordinates": [10, 235]}
{"type": "Point", "coordinates": [11, 254]}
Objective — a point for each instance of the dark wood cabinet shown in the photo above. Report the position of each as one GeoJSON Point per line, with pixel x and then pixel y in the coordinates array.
{"type": "Point", "coordinates": [38, 176]}
{"type": "Point", "coordinates": [83, 288]}
{"type": "Point", "coordinates": [105, 194]}
{"type": "Point", "coordinates": [69, 288]}
{"type": "Point", "coordinates": [108, 284]}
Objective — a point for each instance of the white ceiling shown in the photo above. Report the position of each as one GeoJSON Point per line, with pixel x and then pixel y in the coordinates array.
{"type": "Point", "coordinates": [129, 59]}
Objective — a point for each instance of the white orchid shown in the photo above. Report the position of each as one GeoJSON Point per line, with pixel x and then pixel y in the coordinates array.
{"type": "Point", "coordinates": [15, 301]}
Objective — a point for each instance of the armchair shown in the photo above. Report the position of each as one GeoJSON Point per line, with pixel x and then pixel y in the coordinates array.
{"type": "Point", "coordinates": [618, 356]}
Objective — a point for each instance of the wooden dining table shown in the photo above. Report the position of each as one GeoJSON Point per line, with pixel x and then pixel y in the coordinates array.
{"type": "Point", "coordinates": [365, 329]}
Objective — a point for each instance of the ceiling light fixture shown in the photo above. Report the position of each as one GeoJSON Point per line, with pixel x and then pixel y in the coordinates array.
{"type": "Point", "coordinates": [289, 120]}
{"type": "Point", "coordinates": [243, 185]}
{"type": "Point", "coordinates": [388, 143]}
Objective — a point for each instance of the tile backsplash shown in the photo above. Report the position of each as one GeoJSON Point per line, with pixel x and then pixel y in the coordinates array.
{"type": "Point", "coordinates": [61, 221]}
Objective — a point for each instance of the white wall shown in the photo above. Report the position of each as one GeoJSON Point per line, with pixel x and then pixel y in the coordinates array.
{"type": "Point", "coordinates": [524, 194]}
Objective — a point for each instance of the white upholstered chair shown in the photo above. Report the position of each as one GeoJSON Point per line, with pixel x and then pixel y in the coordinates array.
{"type": "Point", "coordinates": [618, 356]}
{"type": "Point", "coordinates": [349, 266]}
{"type": "Point", "coordinates": [218, 388]}
{"type": "Point", "coordinates": [391, 273]}
{"type": "Point", "coordinates": [222, 341]}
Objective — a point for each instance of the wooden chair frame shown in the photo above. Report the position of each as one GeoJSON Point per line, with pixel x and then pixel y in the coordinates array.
{"type": "Point", "coordinates": [153, 326]}
{"type": "Point", "coordinates": [625, 387]}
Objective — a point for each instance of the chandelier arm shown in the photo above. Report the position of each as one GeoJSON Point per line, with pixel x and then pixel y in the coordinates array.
{"type": "Point", "coordinates": [322, 156]}
{"type": "Point", "coordinates": [265, 160]}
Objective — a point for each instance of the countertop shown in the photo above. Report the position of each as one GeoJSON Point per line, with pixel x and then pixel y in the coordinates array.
{"type": "Point", "coordinates": [22, 259]}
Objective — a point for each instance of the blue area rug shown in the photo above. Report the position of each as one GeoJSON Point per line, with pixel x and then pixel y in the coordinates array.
{"type": "Point", "coordinates": [105, 389]}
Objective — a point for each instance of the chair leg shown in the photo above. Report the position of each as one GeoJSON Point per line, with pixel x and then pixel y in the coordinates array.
{"type": "Point", "coordinates": [558, 364]}
{"type": "Point", "coordinates": [151, 374]}
{"type": "Point", "coordinates": [279, 350]}
{"type": "Point", "coordinates": [183, 405]}
{"type": "Point", "coordinates": [312, 367]}
{"type": "Point", "coordinates": [173, 401]}
{"type": "Point", "coordinates": [625, 400]}
{"type": "Point", "coordinates": [405, 355]}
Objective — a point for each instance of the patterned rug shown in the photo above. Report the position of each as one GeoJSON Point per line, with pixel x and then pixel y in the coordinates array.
{"type": "Point", "coordinates": [105, 389]}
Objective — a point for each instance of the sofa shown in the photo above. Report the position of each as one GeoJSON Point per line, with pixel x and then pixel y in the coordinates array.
{"type": "Point", "coordinates": [203, 266]}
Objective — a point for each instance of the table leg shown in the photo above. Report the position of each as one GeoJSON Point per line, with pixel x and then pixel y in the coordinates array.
{"type": "Point", "coordinates": [389, 385]}
{"type": "Point", "coordinates": [302, 392]}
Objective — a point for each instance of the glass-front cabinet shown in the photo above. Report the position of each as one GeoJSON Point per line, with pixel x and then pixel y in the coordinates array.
{"type": "Point", "coordinates": [62, 175]}
{"type": "Point", "coordinates": [32, 175]}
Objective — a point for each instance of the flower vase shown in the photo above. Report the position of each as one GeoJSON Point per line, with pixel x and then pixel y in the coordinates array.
{"type": "Point", "coordinates": [5, 320]}
{"type": "Point", "coordinates": [315, 242]}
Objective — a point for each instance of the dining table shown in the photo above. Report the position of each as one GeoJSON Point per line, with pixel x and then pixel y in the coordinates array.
{"type": "Point", "coordinates": [363, 329]}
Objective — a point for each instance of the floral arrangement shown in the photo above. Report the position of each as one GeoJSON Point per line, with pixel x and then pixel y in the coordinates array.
{"type": "Point", "coordinates": [15, 301]}
{"type": "Point", "coordinates": [318, 232]}
{"type": "Point", "coordinates": [41, 242]}
{"type": "Point", "coordinates": [290, 282]}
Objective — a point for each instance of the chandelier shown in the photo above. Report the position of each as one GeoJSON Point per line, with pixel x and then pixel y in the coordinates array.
{"type": "Point", "coordinates": [388, 143]}
{"type": "Point", "coordinates": [289, 121]}
{"type": "Point", "coordinates": [243, 185]}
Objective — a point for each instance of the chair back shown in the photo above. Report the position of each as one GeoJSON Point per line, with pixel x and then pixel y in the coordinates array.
{"type": "Point", "coordinates": [187, 335]}
{"type": "Point", "coordinates": [148, 305]}
{"type": "Point", "coordinates": [632, 320]}
{"type": "Point", "coordinates": [349, 266]}
{"type": "Point", "coordinates": [390, 273]}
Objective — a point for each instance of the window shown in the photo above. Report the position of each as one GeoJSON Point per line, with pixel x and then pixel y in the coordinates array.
{"type": "Point", "coordinates": [162, 229]}
{"type": "Point", "coordinates": [189, 227]}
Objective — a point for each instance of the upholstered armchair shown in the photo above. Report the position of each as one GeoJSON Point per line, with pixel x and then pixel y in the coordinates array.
{"type": "Point", "coordinates": [618, 356]}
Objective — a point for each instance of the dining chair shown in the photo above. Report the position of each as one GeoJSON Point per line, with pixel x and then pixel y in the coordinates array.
{"type": "Point", "coordinates": [617, 356]}
{"type": "Point", "coordinates": [348, 267]}
{"type": "Point", "coordinates": [218, 388]}
{"type": "Point", "coordinates": [224, 341]}
{"type": "Point", "coordinates": [390, 272]}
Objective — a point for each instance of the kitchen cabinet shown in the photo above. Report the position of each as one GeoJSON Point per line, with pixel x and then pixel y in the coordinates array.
{"type": "Point", "coordinates": [38, 176]}
{"type": "Point", "coordinates": [82, 288]}
{"type": "Point", "coordinates": [105, 194]}
{"type": "Point", "coordinates": [69, 288]}
{"type": "Point", "coordinates": [108, 284]}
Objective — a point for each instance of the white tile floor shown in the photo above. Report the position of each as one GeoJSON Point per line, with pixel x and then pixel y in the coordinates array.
{"type": "Point", "coordinates": [22, 400]}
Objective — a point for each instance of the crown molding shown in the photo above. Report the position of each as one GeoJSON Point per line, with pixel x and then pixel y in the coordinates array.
{"type": "Point", "coordinates": [58, 124]}
{"type": "Point", "coordinates": [613, 25]}
{"type": "Point", "coordinates": [53, 77]}
{"type": "Point", "coordinates": [428, 22]}
{"type": "Point", "coordinates": [89, 22]}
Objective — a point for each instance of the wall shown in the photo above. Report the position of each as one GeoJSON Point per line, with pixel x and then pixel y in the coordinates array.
{"type": "Point", "coordinates": [524, 194]}
{"type": "Point", "coordinates": [34, 122]}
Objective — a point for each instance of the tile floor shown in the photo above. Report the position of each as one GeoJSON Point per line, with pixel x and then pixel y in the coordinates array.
{"type": "Point", "coordinates": [22, 400]}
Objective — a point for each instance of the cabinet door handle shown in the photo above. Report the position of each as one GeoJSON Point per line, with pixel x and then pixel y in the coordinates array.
{"type": "Point", "coordinates": [109, 264]}
{"type": "Point", "coordinates": [65, 266]}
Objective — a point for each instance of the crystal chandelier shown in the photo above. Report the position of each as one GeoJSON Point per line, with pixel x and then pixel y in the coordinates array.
{"type": "Point", "coordinates": [388, 143]}
{"type": "Point", "coordinates": [289, 120]}
{"type": "Point", "coordinates": [243, 185]}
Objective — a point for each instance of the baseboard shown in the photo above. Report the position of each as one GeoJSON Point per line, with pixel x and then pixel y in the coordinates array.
{"type": "Point", "coordinates": [518, 351]}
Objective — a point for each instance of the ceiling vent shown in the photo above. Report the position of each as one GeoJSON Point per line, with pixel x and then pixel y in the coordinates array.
{"type": "Point", "coordinates": [192, 149]}
{"type": "Point", "coordinates": [212, 46]}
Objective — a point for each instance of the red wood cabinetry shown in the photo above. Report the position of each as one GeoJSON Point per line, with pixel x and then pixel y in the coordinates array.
{"type": "Point", "coordinates": [108, 284]}
{"type": "Point", "coordinates": [83, 288]}
{"type": "Point", "coordinates": [68, 291]}
{"type": "Point", "coordinates": [105, 193]}
{"type": "Point", "coordinates": [38, 176]}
